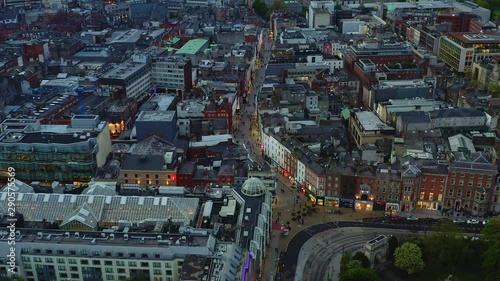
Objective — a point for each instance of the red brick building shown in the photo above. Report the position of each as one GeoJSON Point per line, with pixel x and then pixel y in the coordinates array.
{"type": "Point", "coordinates": [432, 185]}
{"type": "Point", "coordinates": [470, 184]}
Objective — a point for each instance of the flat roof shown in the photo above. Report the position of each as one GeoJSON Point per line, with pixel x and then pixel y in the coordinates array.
{"type": "Point", "coordinates": [124, 70]}
{"type": "Point", "coordinates": [152, 116]}
{"type": "Point", "coordinates": [370, 122]}
{"type": "Point", "coordinates": [469, 37]}
{"type": "Point", "coordinates": [192, 47]}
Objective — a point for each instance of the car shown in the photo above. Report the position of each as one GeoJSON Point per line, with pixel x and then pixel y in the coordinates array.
{"type": "Point", "coordinates": [397, 218]}
{"type": "Point", "coordinates": [412, 218]}
{"type": "Point", "coordinates": [484, 222]}
{"type": "Point", "coordinates": [472, 221]}
{"type": "Point", "coordinates": [458, 221]}
{"type": "Point", "coordinates": [474, 238]}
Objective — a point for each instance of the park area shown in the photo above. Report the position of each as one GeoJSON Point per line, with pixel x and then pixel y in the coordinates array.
{"type": "Point", "coordinates": [444, 254]}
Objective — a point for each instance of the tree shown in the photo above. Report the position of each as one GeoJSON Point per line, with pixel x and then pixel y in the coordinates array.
{"type": "Point", "coordinates": [359, 274]}
{"type": "Point", "coordinates": [365, 262]}
{"type": "Point", "coordinates": [408, 257]}
{"type": "Point", "coordinates": [491, 257]}
{"type": "Point", "coordinates": [445, 245]}
{"type": "Point", "coordinates": [344, 261]}
{"type": "Point", "coordinates": [354, 264]}
{"type": "Point", "coordinates": [261, 9]}
{"type": "Point", "coordinates": [337, 7]}
{"type": "Point", "coordinates": [491, 231]}
{"type": "Point", "coordinates": [278, 6]}
{"type": "Point", "coordinates": [494, 89]}
{"type": "Point", "coordinates": [393, 243]}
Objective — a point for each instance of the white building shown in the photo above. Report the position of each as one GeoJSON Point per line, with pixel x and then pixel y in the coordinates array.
{"type": "Point", "coordinates": [319, 13]}
{"type": "Point", "coordinates": [458, 118]}
{"type": "Point", "coordinates": [64, 255]}
{"type": "Point", "coordinates": [131, 79]}
{"type": "Point", "coordinates": [354, 26]}
{"type": "Point", "coordinates": [172, 73]}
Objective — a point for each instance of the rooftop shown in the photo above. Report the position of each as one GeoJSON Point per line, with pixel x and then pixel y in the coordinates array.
{"type": "Point", "coordinates": [153, 116]}
{"type": "Point", "coordinates": [192, 47]}
{"type": "Point", "coordinates": [106, 209]}
{"type": "Point", "coordinates": [370, 122]}
{"type": "Point", "coordinates": [123, 71]}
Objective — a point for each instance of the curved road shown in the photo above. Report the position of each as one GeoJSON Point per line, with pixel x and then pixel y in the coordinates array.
{"type": "Point", "coordinates": [290, 262]}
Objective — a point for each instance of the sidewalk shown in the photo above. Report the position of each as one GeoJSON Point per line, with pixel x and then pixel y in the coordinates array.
{"type": "Point", "coordinates": [272, 258]}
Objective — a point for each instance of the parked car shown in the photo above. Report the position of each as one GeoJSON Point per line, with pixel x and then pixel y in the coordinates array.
{"type": "Point", "coordinates": [471, 238]}
{"type": "Point", "coordinates": [397, 218]}
{"type": "Point", "coordinates": [458, 221]}
{"type": "Point", "coordinates": [472, 221]}
{"type": "Point", "coordinates": [484, 222]}
{"type": "Point", "coordinates": [412, 218]}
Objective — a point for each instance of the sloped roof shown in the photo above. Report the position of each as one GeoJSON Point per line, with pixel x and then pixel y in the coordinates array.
{"type": "Point", "coordinates": [82, 214]}
{"type": "Point", "coordinates": [153, 145]}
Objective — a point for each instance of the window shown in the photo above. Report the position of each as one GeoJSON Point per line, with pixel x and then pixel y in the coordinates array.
{"type": "Point", "coordinates": [96, 262]}
{"type": "Point", "coordinates": [450, 192]}
{"type": "Point", "coordinates": [132, 263]}
{"type": "Point", "coordinates": [49, 260]}
{"type": "Point", "coordinates": [73, 268]}
{"type": "Point", "coordinates": [84, 261]}
{"type": "Point", "coordinates": [156, 264]}
{"type": "Point", "coordinates": [109, 270]}
{"type": "Point", "coordinates": [61, 267]}
{"type": "Point", "coordinates": [431, 196]}
{"type": "Point", "coordinates": [422, 195]}
{"type": "Point", "coordinates": [59, 260]}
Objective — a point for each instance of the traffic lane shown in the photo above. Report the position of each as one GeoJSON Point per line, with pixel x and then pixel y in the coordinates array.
{"type": "Point", "coordinates": [421, 222]}
{"type": "Point", "coordinates": [290, 258]}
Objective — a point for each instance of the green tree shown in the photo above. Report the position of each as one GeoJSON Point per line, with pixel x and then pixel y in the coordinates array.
{"type": "Point", "coordinates": [355, 264]}
{"type": "Point", "coordinates": [494, 89]}
{"type": "Point", "coordinates": [444, 246]}
{"type": "Point", "coordinates": [344, 261]}
{"type": "Point", "coordinates": [261, 9]}
{"type": "Point", "coordinates": [278, 6]}
{"type": "Point", "coordinates": [393, 243]}
{"type": "Point", "coordinates": [491, 256]}
{"type": "Point", "coordinates": [337, 7]}
{"type": "Point", "coordinates": [359, 274]}
{"type": "Point", "coordinates": [359, 256]}
{"type": "Point", "coordinates": [408, 257]}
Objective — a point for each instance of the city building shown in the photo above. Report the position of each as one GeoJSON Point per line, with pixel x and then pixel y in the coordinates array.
{"type": "Point", "coordinates": [128, 80]}
{"type": "Point", "coordinates": [366, 127]}
{"type": "Point", "coordinates": [172, 73]}
{"type": "Point", "coordinates": [458, 118]}
{"type": "Point", "coordinates": [151, 162]}
{"type": "Point", "coordinates": [473, 8]}
{"type": "Point", "coordinates": [470, 185]}
{"type": "Point", "coordinates": [160, 123]}
{"type": "Point", "coordinates": [66, 153]}
{"type": "Point", "coordinates": [63, 255]}
{"type": "Point", "coordinates": [432, 185]}
{"type": "Point", "coordinates": [396, 90]}
{"type": "Point", "coordinates": [460, 50]}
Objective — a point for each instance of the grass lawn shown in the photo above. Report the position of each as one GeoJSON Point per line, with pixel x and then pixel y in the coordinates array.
{"type": "Point", "coordinates": [440, 274]}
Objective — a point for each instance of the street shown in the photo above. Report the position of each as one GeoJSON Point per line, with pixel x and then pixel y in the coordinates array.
{"type": "Point", "coordinates": [247, 132]}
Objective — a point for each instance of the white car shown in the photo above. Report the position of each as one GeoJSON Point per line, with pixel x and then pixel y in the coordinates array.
{"type": "Point", "coordinates": [472, 221]}
{"type": "Point", "coordinates": [458, 221]}
{"type": "Point", "coordinates": [484, 222]}
{"type": "Point", "coordinates": [412, 218]}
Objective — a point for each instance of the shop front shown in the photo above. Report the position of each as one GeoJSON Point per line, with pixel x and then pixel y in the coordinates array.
{"type": "Point", "coordinates": [379, 205]}
{"type": "Point", "coordinates": [364, 205]}
{"type": "Point", "coordinates": [392, 207]}
{"type": "Point", "coordinates": [429, 205]}
{"type": "Point", "coordinates": [346, 203]}
{"type": "Point", "coordinates": [320, 201]}
{"type": "Point", "coordinates": [332, 201]}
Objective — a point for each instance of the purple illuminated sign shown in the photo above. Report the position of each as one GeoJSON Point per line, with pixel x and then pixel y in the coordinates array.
{"type": "Point", "coordinates": [247, 267]}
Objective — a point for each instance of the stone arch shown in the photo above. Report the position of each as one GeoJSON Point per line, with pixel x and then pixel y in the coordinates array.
{"type": "Point", "coordinates": [376, 249]}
